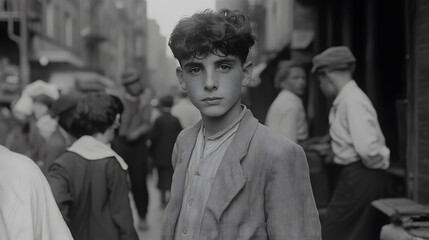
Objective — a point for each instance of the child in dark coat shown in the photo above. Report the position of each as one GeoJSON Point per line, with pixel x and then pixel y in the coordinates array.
{"type": "Point", "coordinates": [164, 134]}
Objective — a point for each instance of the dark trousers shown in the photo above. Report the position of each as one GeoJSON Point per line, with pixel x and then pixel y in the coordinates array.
{"type": "Point", "coordinates": [135, 155]}
{"type": "Point", "coordinates": [350, 215]}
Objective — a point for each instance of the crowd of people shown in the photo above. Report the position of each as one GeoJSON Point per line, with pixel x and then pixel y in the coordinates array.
{"type": "Point", "coordinates": [70, 159]}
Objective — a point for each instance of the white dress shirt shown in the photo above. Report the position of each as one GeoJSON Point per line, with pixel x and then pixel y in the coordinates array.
{"type": "Point", "coordinates": [355, 131]}
{"type": "Point", "coordinates": [28, 210]}
{"type": "Point", "coordinates": [287, 116]}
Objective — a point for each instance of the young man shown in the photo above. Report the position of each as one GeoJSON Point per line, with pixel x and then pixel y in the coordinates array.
{"type": "Point", "coordinates": [234, 178]}
{"type": "Point", "coordinates": [360, 152]}
{"type": "Point", "coordinates": [287, 114]}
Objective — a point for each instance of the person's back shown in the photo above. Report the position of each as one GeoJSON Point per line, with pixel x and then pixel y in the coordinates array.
{"type": "Point", "coordinates": [89, 180]}
{"type": "Point", "coordinates": [27, 207]}
{"type": "Point", "coordinates": [91, 184]}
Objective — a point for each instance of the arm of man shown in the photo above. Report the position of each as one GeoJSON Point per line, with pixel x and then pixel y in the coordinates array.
{"type": "Point", "coordinates": [289, 206]}
{"type": "Point", "coordinates": [366, 136]}
{"type": "Point", "coordinates": [119, 202]}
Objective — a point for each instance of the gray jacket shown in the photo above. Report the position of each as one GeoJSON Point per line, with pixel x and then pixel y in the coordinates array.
{"type": "Point", "coordinates": [261, 190]}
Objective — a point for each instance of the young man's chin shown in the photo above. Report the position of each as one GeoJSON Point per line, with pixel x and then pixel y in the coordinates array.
{"type": "Point", "coordinates": [214, 111]}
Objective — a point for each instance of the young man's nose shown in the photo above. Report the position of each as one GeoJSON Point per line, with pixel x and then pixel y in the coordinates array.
{"type": "Point", "coordinates": [210, 82]}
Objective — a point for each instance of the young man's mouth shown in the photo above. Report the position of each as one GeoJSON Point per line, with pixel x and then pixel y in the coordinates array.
{"type": "Point", "coordinates": [212, 100]}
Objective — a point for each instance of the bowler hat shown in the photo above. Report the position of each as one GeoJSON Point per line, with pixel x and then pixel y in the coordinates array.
{"type": "Point", "coordinates": [130, 75]}
{"type": "Point", "coordinates": [332, 57]}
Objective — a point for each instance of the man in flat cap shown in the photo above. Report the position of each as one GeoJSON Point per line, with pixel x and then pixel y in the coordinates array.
{"type": "Point", "coordinates": [360, 152]}
{"type": "Point", "coordinates": [131, 141]}
{"type": "Point", "coordinates": [286, 114]}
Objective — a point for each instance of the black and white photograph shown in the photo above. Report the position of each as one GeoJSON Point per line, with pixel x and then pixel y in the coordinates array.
{"type": "Point", "coordinates": [214, 120]}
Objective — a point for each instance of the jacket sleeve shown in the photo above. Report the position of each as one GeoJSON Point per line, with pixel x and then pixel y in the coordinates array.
{"type": "Point", "coordinates": [119, 202]}
{"type": "Point", "coordinates": [59, 181]}
{"type": "Point", "coordinates": [290, 207]}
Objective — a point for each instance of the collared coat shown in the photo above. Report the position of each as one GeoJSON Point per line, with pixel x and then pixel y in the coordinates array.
{"type": "Point", "coordinates": [261, 189]}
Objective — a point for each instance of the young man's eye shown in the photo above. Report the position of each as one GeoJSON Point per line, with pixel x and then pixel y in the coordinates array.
{"type": "Point", "coordinates": [194, 70]}
{"type": "Point", "coordinates": [224, 67]}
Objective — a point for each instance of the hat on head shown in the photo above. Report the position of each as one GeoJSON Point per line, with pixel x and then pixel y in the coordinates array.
{"type": "Point", "coordinates": [332, 57]}
{"type": "Point", "coordinates": [65, 102]}
{"type": "Point", "coordinates": [130, 75]}
{"type": "Point", "coordinates": [40, 87]}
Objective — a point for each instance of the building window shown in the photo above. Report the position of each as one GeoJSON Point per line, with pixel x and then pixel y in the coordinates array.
{"type": "Point", "coordinates": [50, 20]}
{"type": "Point", "coordinates": [68, 29]}
{"type": "Point", "coordinates": [139, 46]}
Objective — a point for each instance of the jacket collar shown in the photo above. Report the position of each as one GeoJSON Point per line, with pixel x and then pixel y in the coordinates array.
{"type": "Point", "coordinates": [91, 149]}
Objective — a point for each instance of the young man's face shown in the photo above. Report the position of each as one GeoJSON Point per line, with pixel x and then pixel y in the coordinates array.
{"type": "Point", "coordinates": [296, 81]}
{"type": "Point", "coordinates": [214, 83]}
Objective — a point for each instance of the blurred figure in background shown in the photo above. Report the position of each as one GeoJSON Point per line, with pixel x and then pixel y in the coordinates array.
{"type": "Point", "coordinates": [131, 142]}
{"type": "Point", "coordinates": [62, 110]}
{"type": "Point", "coordinates": [287, 114]}
{"type": "Point", "coordinates": [89, 181]}
{"type": "Point", "coordinates": [360, 152]}
{"type": "Point", "coordinates": [185, 111]}
{"type": "Point", "coordinates": [27, 207]}
{"type": "Point", "coordinates": [32, 110]}
{"type": "Point", "coordinates": [163, 136]}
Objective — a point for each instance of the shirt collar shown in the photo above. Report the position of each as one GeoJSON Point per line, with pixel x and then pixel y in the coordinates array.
{"type": "Point", "coordinates": [229, 127]}
{"type": "Point", "coordinates": [344, 92]}
{"type": "Point", "coordinates": [91, 149]}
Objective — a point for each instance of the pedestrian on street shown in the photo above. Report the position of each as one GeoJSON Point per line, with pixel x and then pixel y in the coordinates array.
{"type": "Point", "coordinates": [89, 181]}
{"type": "Point", "coordinates": [131, 142]}
{"type": "Point", "coordinates": [27, 207]}
{"type": "Point", "coordinates": [233, 177]}
{"type": "Point", "coordinates": [163, 136]}
{"type": "Point", "coordinates": [286, 114]}
{"type": "Point", "coordinates": [62, 111]}
{"type": "Point", "coordinates": [360, 152]}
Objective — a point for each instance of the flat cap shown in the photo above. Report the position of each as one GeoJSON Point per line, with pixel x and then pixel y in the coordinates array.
{"type": "Point", "coordinates": [130, 75]}
{"type": "Point", "coordinates": [65, 102]}
{"type": "Point", "coordinates": [333, 56]}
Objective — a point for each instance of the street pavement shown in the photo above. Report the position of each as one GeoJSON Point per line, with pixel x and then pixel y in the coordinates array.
{"type": "Point", "coordinates": [155, 211]}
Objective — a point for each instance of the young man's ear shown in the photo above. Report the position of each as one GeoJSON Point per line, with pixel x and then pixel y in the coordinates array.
{"type": "Point", "coordinates": [248, 70]}
{"type": "Point", "coordinates": [179, 74]}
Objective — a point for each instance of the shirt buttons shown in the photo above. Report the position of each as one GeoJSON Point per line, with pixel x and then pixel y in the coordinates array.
{"type": "Point", "coordinates": [190, 202]}
{"type": "Point", "coordinates": [197, 174]}
{"type": "Point", "coordinates": [185, 231]}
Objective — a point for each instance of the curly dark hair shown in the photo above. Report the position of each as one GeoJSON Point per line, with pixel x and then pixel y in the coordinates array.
{"type": "Point", "coordinates": [223, 33]}
{"type": "Point", "coordinates": [95, 113]}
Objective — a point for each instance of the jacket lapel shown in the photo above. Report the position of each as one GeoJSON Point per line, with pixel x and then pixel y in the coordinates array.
{"type": "Point", "coordinates": [230, 177]}
{"type": "Point", "coordinates": [178, 184]}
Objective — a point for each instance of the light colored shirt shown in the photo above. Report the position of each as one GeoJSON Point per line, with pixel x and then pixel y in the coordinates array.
{"type": "Point", "coordinates": [287, 116]}
{"type": "Point", "coordinates": [354, 129]}
{"type": "Point", "coordinates": [28, 210]}
{"type": "Point", "coordinates": [203, 165]}
{"type": "Point", "coordinates": [186, 112]}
